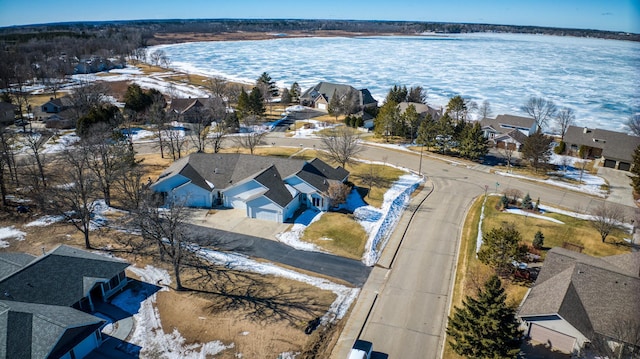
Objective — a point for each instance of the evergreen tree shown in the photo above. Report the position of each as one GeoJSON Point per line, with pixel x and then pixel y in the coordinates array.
{"type": "Point", "coordinates": [457, 108]}
{"type": "Point", "coordinates": [635, 169]}
{"type": "Point", "coordinates": [285, 99]}
{"type": "Point", "coordinates": [427, 132]}
{"type": "Point", "coordinates": [445, 134]}
{"type": "Point", "coordinates": [243, 107]}
{"type": "Point", "coordinates": [537, 206]}
{"type": "Point", "coordinates": [526, 202]}
{"type": "Point", "coordinates": [268, 84]}
{"type": "Point", "coordinates": [295, 92]}
{"type": "Point", "coordinates": [504, 201]}
{"type": "Point", "coordinates": [500, 247]}
{"type": "Point", "coordinates": [474, 145]}
{"type": "Point", "coordinates": [387, 119]}
{"type": "Point", "coordinates": [256, 103]}
{"type": "Point", "coordinates": [485, 327]}
{"type": "Point", "coordinates": [417, 94]}
{"type": "Point", "coordinates": [397, 94]}
{"type": "Point", "coordinates": [411, 118]}
{"type": "Point", "coordinates": [538, 240]}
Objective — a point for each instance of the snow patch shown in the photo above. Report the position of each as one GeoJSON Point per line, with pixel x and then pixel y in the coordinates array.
{"type": "Point", "coordinates": [10, 232]}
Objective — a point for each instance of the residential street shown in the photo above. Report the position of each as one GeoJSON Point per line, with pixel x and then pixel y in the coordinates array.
{"type": "Point", "coordinates": [402, 310]}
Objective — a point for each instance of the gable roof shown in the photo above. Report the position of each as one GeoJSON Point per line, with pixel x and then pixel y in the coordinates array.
{"type": "Point", "coordinates": [506, 123]}
{"type": "Point", "coordinates": [326, 89]}
{"type": "Point", "coordinates": [421, 109]}
{"type": "Point", "coordinates": [592, 294]}
{"type": "Point", "coordinates": [182, 105]}
{"type": "Point", "coordinates": [6, 106]}
{"type": "Point", "coordinates": [224, 170]}
{"type": "Point", "coordinates": [41, 331]}
{"type": "Point", "coordinates": [276, 189]}
{"type": "Point", "coordinates": [64, 101]}
{"type": "Point", "coordinates": [615, 145]}
{"type": "Point", "coordinates": [61, 277]}
{"type": "Point", "coordinates": [12, 262]}
{"type": "Point", "coordinates": [319, 174]}
{"type": "Point", "coordinates": [516, 135]}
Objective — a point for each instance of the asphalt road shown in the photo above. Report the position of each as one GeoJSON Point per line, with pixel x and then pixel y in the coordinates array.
{"type": "Point", "coordinates": [408, 318]}
{"type": "Point", "coordinates": [349, 270]}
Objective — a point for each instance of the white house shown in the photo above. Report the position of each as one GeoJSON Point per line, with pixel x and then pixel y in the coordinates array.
{"type": "Point", "coordinates": [500, 130]}
{"type": "Point", "coordinates": [269, 188]}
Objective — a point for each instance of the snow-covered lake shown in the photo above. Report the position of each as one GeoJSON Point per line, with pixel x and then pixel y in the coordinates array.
{"type": "Point", "coordinates": [598, 78]}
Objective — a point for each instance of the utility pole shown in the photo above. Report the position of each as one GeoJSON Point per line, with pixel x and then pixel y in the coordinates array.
{"type": "Point", "coordinates": [420, 165]}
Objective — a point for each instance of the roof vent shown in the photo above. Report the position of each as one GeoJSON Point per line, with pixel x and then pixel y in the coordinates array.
{"type": "Point", "coordinates": [215, 170]}
{"type": "Point", "coordinates": [585, 130]}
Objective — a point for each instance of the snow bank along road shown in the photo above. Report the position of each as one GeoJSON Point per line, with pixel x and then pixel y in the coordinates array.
{"type": "Point", "coordinates": [409, 315]}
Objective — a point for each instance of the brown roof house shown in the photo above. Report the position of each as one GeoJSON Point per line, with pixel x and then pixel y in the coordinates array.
{"type": "Point", "coordinates": [44, 302]}
{"type": "Point", "coordinates": [269, 188]}
{"type": "Point", "coordinates": [320, 95]}
{"type": "Point", "coordinates": [615, 149]}
{"type": "Point", "coordinates": [190, 109]}
{"type": "Point", "coordinates": [56, 105]}
{"type": "Point", "coordinates": [508, 131]}
{"type": "Point", "coordinates": [578, 299]}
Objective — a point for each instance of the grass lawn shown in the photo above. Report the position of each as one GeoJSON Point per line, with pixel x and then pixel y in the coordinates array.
{"type": "Point", "coordinates": [386, 176]}
{"type": "Point", "coordinates": [471, 274]}
{"type": "Point", "coordinates": [337, 233]}
{"type": "Point", "coordinates": [574, 231]}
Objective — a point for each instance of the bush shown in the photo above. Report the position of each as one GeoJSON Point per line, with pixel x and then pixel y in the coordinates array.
{"type": "Point", "coordinates": [560, 148]}
{"type": "Point", "coordinates": [538, 240]}
{"type": "Point", "coordinates": [504, 202]}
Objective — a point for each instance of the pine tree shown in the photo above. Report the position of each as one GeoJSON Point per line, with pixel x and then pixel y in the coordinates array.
{"type": "Point", "coordinates": [526, 202]}
{"type": "Point", "coordinates": [473, 145]}
{"type": "Point", "coordinates": [485, 326]}
{"type": "Point", "coordinates": [538, 240]}
{"type": "Point", "coordinates": [256, 103]}
{"type": "Point", "coordinates": [504, 201]}
{"type": "Point", "coordinates": [500, 247]}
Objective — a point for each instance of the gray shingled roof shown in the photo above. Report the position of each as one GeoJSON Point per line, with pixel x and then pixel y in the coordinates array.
{"type": "Point", "coordinates": [180, 105]}
{"type": "Point", "coordinates": [12, 262]}
{"type": "Point", "coordinates": [277, 191]}
{"type": "Point", "coordinates": [327, 89]}
{"type": "Point", "coordinates": [319, 174]}
{"type": "Point", "coordinates": [227, 169]}
{"type": "Point", "coordinates": [505, 123]}
{"type": "Point", "coordinates": [593, 294]}
{"type": "Point", "coordinates": [615, 145]}
{"type": "Point", "coordinates": [61, 277]}
{"type": "Point", "coordinates": [421, 109]}
{"type": "Point", "coordinates": [30, 330]}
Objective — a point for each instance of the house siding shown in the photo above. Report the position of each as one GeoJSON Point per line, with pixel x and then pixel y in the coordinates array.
{"type": "Point", "coordinates": [236, 197]}
{"type": "Point", "coordinates": [193, 196]}
{"type": "Point", "coordinates": [84, 347]}
{"type": "Point", "coordinates": [558, 325]}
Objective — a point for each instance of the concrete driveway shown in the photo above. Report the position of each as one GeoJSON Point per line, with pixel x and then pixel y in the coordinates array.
{"type": "Point", "coordinates": [235, 220]}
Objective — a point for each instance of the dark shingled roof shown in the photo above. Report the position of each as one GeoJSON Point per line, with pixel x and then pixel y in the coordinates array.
{"type": "Point", "coordinates": [30, 330]}
{"type": "Point", "coordinates": [12, 262]}
{"type": "Point", "coordinates": [615, 145]}
{"type": "Point", "coordinates": [277, 191]}
{"type": "Point", "coordinates": [61, 277]}
{"type": "Point", "coordinates": [593, 294]}
{"type": "Point", "coordinates": [319, 174]}
{"type": "Point", "coordinates": [506, 123]}
{"type": "Point", "coordinates": [326, 89]}
{"type": "Point", "coordinates": [227, 169]}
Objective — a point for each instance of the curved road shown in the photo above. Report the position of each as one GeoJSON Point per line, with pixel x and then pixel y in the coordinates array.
{"type": "Point", "coordinates": [407, 318]}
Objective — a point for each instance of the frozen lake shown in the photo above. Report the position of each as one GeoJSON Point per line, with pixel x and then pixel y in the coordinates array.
{"type": "Point", "coordinates": [599, 79]}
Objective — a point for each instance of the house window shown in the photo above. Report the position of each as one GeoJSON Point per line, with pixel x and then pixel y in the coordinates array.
{"type": "Point", "coordinates": [317, 201]}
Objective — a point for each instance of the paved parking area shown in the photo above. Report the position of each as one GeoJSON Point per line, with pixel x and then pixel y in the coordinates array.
{"type": "Point", "coordinates": [236, 221]}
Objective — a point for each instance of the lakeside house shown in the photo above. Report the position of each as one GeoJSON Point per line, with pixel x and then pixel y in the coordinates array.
{"type": "Point", "coordinates": [320, 95]}
{"type": "Point", "coordinates": [46, 300]}
{"type": "Point", "coordinates": [508, 131]}
{"type": "Point", "coordinates": [578, 299]}
{"type": "Point", "coordinates": [190, 109]}
{"type": "Point", "coordinates": [614, 149]}
{"type": "Point", "coordinates": [268, 188]}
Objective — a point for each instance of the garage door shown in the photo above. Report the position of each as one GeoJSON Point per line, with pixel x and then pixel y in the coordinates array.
{"type": "Point", "coordinates": [237, 203]}
{"type": "Point", "coordinates": [610, 163]}
{"type": "Point", "coordinates": [624, 166]}
{"type": "Point", "coordinates": [557, 340]}
{"type": "Point", "coordinates": [322, 106]}
{"type": "Point", "coordinates": [267, 215]}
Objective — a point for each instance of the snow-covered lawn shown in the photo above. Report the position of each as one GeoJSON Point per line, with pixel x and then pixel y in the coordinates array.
{"type": "Point", "coordinates": [148, 333]}
{"type": "Point", "coordinates": [379, 223]}
{"type": "Point", "coordinates": [10, 233]}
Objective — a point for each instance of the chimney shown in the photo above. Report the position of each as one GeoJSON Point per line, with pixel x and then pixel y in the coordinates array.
{"type": "Point", "coordinates": [585, 130]}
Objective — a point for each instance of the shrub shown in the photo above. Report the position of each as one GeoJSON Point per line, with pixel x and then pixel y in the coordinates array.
{"type": "Point", "coordinates": [538, 240]}
{"type": "Point", "coordinates": [504, 202]}
{"type": "Point", "coordinates": [526, 202]}
{"type": "Point", "coordinates": [560, 148]}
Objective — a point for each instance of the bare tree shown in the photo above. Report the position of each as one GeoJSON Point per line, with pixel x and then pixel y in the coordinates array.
{"type": "Point", "coordinates": [217, 135]}
{"type": "Point", "coordinates": [634, 124]}
{"type": "Point", "coordinates": [484, 111]}
{"type": "Point", "coordinates": [75, 192]}
{"type": "Point", "coordinates": [540, 109]}
{"type": "Point", "coordinates": [199, 126]}
{"type": "Point", "coordinates": [176, 142]}
{"type": "Point", "coordinates": [606, 218]}
{"type": "Point", "coordinates": [508, 152]}
{"type": "Point", "coordinates": [166, 229]}
{"type": "Point", "coordinates": [32, 141]}
{"type": "Point", "coordinates": [158, 117]}
{"type": "Point", "coordinates": [337, 193]}
{"type": "Point", "coordinates": [625, 344]}
{"type": "Point", "coordinates": [342, 144]}
{"type": "Point", "coordinates": [249, 140]}
{"type": "Point", "coordinates": [565, 118]}
{"type": "Point", "coordinates": [86, 96]}
{"type": "Point", "coordinates": [217, 86]}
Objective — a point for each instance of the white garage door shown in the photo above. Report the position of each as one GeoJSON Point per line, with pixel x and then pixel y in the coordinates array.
{"type": "Point", "coordinates": [322, 106]}
{"type": "Point", "coordinates": [557, 340]}
{"type": "Point", "coordinates": [237, 203]}
{"type": "Point", "coordinates": [267, 215]}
